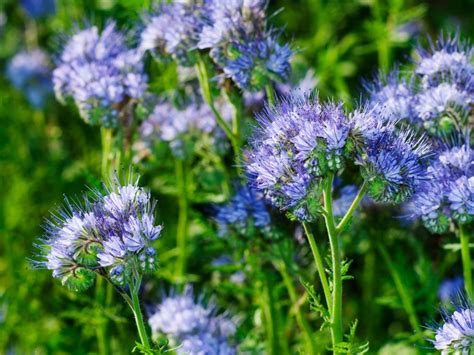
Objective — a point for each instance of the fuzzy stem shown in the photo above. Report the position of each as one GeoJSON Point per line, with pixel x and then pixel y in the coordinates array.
{"type": "Point", "coordinates": [402, 290]}
{"type": "Point", "coordinates": [204, 82]}
{"type": "Point", "coordinates": [336, 311]}
{"type": "Point", "coordinates": [319, 264]}
{"type": "Point", "coordinates": [137, 312]}
{"type": "Point", "coordinates": [355, 203]}
{"type": "Point", "coordinates": [270, 94]}
{"type": "Point", "coordinates": [466, 262]}
{"type": "Point", "coordinates": [303, 324]}
{"type": "Point", "coordinates": [182, 230]}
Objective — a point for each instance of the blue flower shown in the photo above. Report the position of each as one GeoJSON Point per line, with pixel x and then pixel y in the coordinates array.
{"type": "Point", "coordinates": [29, 71]}
{"type": "Point", "coordinates": [39, 8]}
{"type": "Point", "coordinates": [192, 324]}
{"type": "Point", "coordinates": [451, 290]}
{"type": "Point", "coordinates": [456, 334]}
{"type": "Point", "coordinates": [100, 73]}
{"type": "Point", "coordinates": [109, 233]}
{"type": "Point", "coordinates": [173, 30]}
{"type": "Point", "coordinates": [243, 213]}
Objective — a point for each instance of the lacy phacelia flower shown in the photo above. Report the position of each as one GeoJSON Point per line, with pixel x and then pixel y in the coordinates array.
{"type": "Point", "coordinates": [393, 95]}
{"type": "Point", "coordinates": [177, 126]}
{"type": "Point", "coordinates": [190, 323]}
{"type": "Point", "coordinates": [448, 192]}
{"type": "Point", "coordinates": [100, 73]}
{"type": "Point", "coordinates": [29, 71]}
{"type": "Point", "coordinates": [456, 335]}
{"type": "Point", "coordinates": [109, 235]}
{"type": "Point", "coordinates": [173, 30]}
{"type": "Point", "coordinates": [451, 290]}
{"type": "Point", "coordinates": [239, 43]}
{"type": "Point", "coordinates": [298, 142]}
{"type": "Point", "coordinates": [245, 212]}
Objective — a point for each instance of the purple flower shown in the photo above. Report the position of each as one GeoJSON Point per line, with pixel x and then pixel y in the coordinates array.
{"type": "Point", "coordinates": [100, 73]}
{"type": "Point", "coordinates": [243, 213]}
{"type": "Point", "coordinates": [39, 8]}
{"type": "Point", "coordinates": [29, 71]}
{"type": "Point", "coordinates": [456, 334]}
{"type": "Point", "coordinates": [451, 290]}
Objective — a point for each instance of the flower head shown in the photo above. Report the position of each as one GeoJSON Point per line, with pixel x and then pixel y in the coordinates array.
{"type": "Point", "coordinates": [456, 334]}
{"type": "Point", "coordinates": [193, 324]}
{"type": "Point", "coordinates": [29, 71]}
{"type": "Point", "coordinates": [451, 290]}
{"type": "Point", "coordinates": [110, 233]}
{"type": "Point", "coordinates": [245, 212]}
{"type": "Point", "coordinates": [100, 73]}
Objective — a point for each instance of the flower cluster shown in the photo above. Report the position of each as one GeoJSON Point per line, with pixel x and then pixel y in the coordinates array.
{"type": "Point", "coordinates": [300, 141]}
{"type": "Point", "coordinates": [245, 212]}
{"type": "Point", "coordinates": [178, 126]}
{"type": "Point", "coordinates": [192, 326]}
{"type": "Point", "coordinates": [109, 235]}
{"type": "Point", "coordinates": [438, 94]}
{"type": "Point", "coordinates": [241, 45]}
{"type": "Point", "coordinates": [448, 193]}
{"type": "Point", "coordinates": [456, 335]}
{"type": "Point", "coordinates": [29, 71]}
{"type": "Point", "coordinates": [173, 30]}
{"type": "Point", "coordinates": [100, 73]}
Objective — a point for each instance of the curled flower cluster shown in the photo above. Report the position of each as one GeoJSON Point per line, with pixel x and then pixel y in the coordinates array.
{"type": "Point", "coordinates": [241, 45]}
{"type": "Point", "coordinates": [100, 73]}
{"type": "Point", "coordinates": [192, 326]}
{"type": "Point", "coordinates": [456, 335]}
{"type": "Point", "coordinates": [110, 235]}
{"type": "Point", "coordinates": [438, 94]}
{"type": "Point", "coordinates": [29, 71]}
{"type": "Point", "coordinates": [245, 212]}
{"type": "Point", "coordinates": [173, 125]}
{"type": "Point", "coordinates": [300, 141]}
{"type": "Point", "coordinates": [448, 193]}
{"type": "Point", "coordinates": [173, 30]}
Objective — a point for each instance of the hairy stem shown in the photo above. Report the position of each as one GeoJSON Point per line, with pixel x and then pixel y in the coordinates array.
{"type": "Point", "coordinates": [319, 264]}
{"type": "Point", "coordinates": [466, 262]}
{"type": "Point", "coordinates": [182, 230]}
{"type": "Point", "coordinates": [402, 290]}
{"type": "Point", "coordinates": [137, 312]}
{"type": "Point", "coordinates": [355, 203]}
{"type": "Point", "coordinates": [270, 94]}
{"type": "Point", "coordinates": [336, 311]}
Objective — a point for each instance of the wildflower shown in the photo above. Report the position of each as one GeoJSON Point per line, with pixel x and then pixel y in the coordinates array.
{"type": "Point", "coordinates": [192, 326]}
{"type": "Point", "coordinates": [110, 234]}
{"type": "Point", "coordinates": [29, 71]}
{"type": "Point", "coordinates": [247, 210]}
{"type": "Point", "coordinates": [341, 204]}
{"type": "Point", "coordinates": [239, 43]}
{"type": "Point", "coordinates": [448, 193]}
{"type": "Point", "coordinates": [173, 30]}
{"type": "Point", "coordinates": [39, 8]}
{"type": "Point", "coordinates": [456, 334]}
{"type": "Point", "coordinates": [100, 73]}
{"type": "Point", "coordinates": [176, 126]}
{"type": "Point", "coordinates": [451, 290]}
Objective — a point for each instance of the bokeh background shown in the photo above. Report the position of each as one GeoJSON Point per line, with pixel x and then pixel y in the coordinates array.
{"type": "Point", "coordinates": [49, 151]}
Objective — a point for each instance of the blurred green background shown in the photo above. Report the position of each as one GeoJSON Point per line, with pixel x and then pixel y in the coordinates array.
{"type": "Point", "coordinates": [47, 153]}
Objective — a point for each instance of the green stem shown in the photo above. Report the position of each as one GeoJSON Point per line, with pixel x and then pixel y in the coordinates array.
{"type": "Point", "coordinates": [319, 264]}
{"type": "Point", "coordinates": [403, 292]}
{"type": "Point", "coordinates": [137, 312]}
{"type": "Point", "coordinates": [466, 262]}
{"type": "Point", "coordinates": [303, 324]}
{"type": "Point", "coordinates": [107, 139]}
{"type": "Point", "coordinates": [204, 82]}
{"type": "Point", "coordinates": [270, 94]}
{"type": "Point", "coordinates": [355, 203]}
{"type": "Point", "coordinates": [182, 229]}
{"type": "Point", "coordinates": [336, 311]}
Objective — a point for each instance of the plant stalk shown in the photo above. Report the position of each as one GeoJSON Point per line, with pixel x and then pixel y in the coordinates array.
{"type": "Point", "coordinates": [355, 203]}
{"type": "Point", "coordinates": [182, 229]}
{"type": "Point", "coordinates": [137, 312]}
{"type": "Point", "coordinates": [466, 262]}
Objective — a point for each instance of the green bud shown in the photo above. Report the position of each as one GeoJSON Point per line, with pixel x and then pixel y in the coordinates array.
{"type": "Point", "coordinates": [79, 279]}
